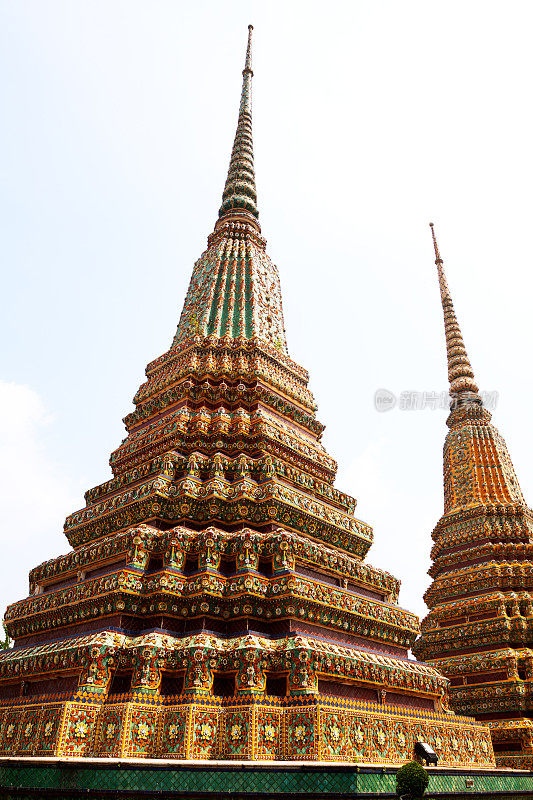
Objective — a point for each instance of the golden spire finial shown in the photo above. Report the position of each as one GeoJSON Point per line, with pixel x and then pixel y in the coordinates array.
{"type": "Point", "coordinates": [248, 60]}
{"type": "Point", "coordinates": [463, 387]}
{"type": "Point", "coordinates": [240, 195]}
{"type": "Point", "coordinates": [444, 290]}
{"type": "Point", "coordinates": [438, 259]}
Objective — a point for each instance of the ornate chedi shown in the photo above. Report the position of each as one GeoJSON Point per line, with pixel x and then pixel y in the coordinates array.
{"type": "Point", "coordinates": [215, 603]}
{"type": "Point", "coordinates": [480, 627]}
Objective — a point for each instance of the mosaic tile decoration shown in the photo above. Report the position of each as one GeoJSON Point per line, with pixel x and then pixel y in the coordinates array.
{"type": "Point", "coordinates": [305, 728]}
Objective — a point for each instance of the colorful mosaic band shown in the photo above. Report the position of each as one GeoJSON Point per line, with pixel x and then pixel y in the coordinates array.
{"type": "Point", "coordinates": [300, 729]}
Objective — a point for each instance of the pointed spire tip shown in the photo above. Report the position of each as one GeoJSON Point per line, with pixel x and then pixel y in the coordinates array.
{"type": "Point", "coordinates": [248, 60]}
{"type": "Point", "coordinates": [463, 388]}
{"type": "Point", "coordinates": [438, 259]}
{"type": "Point", "coordinates": [240, 195]}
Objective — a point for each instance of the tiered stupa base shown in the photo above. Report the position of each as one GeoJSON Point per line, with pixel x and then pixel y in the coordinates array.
{"type": "Point", "coordinates": [237, 645]}
{"type": "Point", "coordinates": [243, 728]}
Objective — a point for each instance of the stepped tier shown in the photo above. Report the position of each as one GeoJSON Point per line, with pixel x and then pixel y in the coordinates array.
{"type": "Point", "coordinates": [216, 603]}
{"type": "Point", "coordinates": [480, 623]}
{"type": "Point", "coordinates": [183, 580]}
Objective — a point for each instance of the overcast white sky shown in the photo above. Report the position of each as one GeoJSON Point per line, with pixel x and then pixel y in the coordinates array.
{"type": "Point", "coordinates": [370, 119]}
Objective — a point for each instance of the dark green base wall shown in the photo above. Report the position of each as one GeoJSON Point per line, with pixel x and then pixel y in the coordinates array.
{"type": "Point", "coordinates": [34, 779]}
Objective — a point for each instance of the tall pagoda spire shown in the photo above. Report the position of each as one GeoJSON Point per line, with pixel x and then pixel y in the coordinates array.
{"type": "Point", "coordinates": [463, 387]}
{"type": "Point", "coordinates": [480, 625]}
{"type": "Point", "coordinates": [240, 195]}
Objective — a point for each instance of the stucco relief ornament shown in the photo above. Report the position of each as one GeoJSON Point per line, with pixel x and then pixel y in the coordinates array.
{"type": "Point", "coordinates": [80, 729]}
{"type": "Point", "coordinates": [173, 732]}
{"type": "Point", "coordinates": [269, 732]}
{"type": "Point", "coordinates": [143, 731]}
{"type": "Point", "coordinates": [358, 735]}
{"type": "Point", "coordinates": [235, 732]}
{"type": "Point", "coordinates": [206, 731]}
{"type": "Point", "coordinates": [300, 733]}
{"type": "Point", "coordinates": [335, 733]}
{"type": "Point", "coordinates": [110, 730]}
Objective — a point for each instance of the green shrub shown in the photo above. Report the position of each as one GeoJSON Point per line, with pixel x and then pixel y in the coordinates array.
{"type": "Point", "coordinates": [412, 780]}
